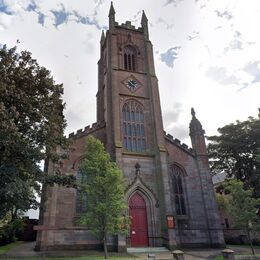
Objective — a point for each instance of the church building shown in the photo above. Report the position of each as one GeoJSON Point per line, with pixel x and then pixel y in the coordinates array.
{"type": "Point", "coordinates": [169, 190]}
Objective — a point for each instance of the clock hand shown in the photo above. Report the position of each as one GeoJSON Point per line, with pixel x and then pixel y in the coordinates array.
{"type": "Point", "coordinates": [132, 83]}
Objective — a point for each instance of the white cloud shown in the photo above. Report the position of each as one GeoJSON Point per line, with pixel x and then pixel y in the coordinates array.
{"type": "Point", "coordinates": [161, 20]}
{"type": "Point", "coordinates": [175, 2]}
{"type": "Point", "coordinates": [12, 6]}
{"type": "Point", "coordinates": [220, 75]}
{"type": "Point", "coordinates": [5, 20]}
{"type": "Point", "coordinates": [227, 15]}
{"type": "Point", "coordinates": [214, 61]}
{"type": "Point", "coordinates": [253, 69]}
{"type": "Point", "coordinates": [170, 56]}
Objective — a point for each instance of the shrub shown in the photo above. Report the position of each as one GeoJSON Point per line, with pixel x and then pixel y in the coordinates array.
{"type": "Point", "coordinates": [11, 231]}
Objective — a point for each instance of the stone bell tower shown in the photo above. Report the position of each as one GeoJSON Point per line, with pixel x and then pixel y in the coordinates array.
{"type": "Point", "coordinates": [128, 101]}
{"type": "Point", "coordinates": [126, 70]}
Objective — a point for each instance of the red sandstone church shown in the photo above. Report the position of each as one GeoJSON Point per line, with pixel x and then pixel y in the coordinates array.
{"type": "Point", "coordinates": [169, 188]}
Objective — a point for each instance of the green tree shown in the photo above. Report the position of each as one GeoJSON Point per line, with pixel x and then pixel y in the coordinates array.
{"type": "Point", "coordinates": [236, 150]}
{"type": "Point", "coordinates": [31, 128]}
{"type": "Point", "coordinates": [242, 207]}
{"type": "Point", "coordinates": [104, 187]}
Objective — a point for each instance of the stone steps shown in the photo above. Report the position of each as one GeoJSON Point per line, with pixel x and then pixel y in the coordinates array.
{"type": "Point", "coordinates": [147, 249]}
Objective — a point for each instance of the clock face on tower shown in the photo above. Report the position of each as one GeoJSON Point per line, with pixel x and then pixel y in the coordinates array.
{"type": "Point", "coordinates": [132, 84]}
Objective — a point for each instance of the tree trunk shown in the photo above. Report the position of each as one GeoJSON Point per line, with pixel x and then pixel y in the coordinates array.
{"type": "Point", "coordinates": [13, 214]}
{"type": "Point", "coordinates": [105, 246]}
{"type": "Point", "coordinates": [250, 241]}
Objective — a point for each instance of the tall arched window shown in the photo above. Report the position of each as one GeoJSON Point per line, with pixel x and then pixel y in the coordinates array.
{"type": "Point", "coordinates": [130, 58]}
{"type": "Point", "coordinates": [133, 127]}
{"type": "Point", "coordinates": [81, 197]}
{"type": "Point", "coordinates": [178, 191]}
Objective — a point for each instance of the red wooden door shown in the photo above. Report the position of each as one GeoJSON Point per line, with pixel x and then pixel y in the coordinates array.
{"type": "Point", "coordinates": [138, 229]}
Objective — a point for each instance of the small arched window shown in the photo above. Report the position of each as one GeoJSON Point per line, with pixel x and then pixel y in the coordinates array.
{"type": "Point", "coordinates": [130, 58]}
{"type": "Point", "coordinates": [133, 127]}
{"type": "Point", "coordinates": [81, 197]}
{"type": "Point", "coordinates": [178, 191]}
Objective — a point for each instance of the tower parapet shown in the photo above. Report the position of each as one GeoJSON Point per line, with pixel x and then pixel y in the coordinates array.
{"type": "Point", "coordinates": [127, 24]}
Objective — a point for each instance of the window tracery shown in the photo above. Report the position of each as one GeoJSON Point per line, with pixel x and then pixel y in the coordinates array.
{"type": "Point", "coordinates": [133, 127]}
{"type": "Point", "coordinates": [178, 191]}
{"type": "Point", "coordinates": [81, 197]}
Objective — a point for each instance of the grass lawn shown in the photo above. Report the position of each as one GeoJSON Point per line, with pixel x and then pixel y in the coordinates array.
{"type": "Point", "coordinates": [90, 257]}
{"type": "Point", "coordinates": [221, 257]}
{"type": "Point", "coordinates": [78, 258]}
{"type": "Point", "coordinates": [6, 248]}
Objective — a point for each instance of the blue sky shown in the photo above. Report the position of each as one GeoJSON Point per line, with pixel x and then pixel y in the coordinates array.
{"type": "Point", "coordinates": [206, 54]}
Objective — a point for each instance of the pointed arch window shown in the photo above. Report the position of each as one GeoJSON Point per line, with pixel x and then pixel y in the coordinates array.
{"type": "Point", "coordinates": [81, 196]}
{"type": "Point", "coordinates": [178, 191]}
{"type": "Point", "coordinates": [133, 127]}
{"type": "Point", "coordinates": [130, 58]}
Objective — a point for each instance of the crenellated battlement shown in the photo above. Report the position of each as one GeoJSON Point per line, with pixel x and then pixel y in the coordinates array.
{"type": "Point", "coordinates": [87, 130]}
{"type": "Point", "coordinates": [178, 143]}
{"type": "Point", "coordinates": [128, 25]}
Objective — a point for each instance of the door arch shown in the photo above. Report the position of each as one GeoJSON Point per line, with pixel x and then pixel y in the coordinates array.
{"type": "Point", "coordinates": [138, 215]}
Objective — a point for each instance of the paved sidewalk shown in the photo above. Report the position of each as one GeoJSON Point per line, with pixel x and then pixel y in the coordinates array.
{"type": "Point", "coordinates": [189, 254]}
{"type": "Point", "coordinates": [26, 250]}
{"type": "Point", "coordinates": [22, 251]}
